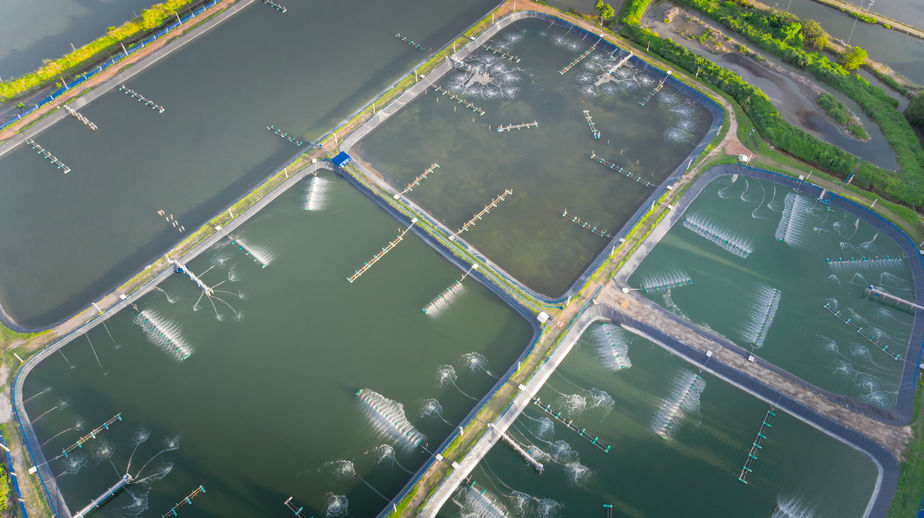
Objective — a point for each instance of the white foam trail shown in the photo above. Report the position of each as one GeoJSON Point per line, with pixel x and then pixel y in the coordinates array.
{"type": "Point", "coordinates": [444, 299]}
{"type": "Point", "coordinates": [763, 311]}
{"type": "Point", "coordinates": [316, 193]}
{"type": "Point", "coordinates": [480, 503]}
{"type": "Point", "coordinates": [684, 399]}
{"type": "Point", "coordinates": [790, 508]}
{"type": "Point", "coordinates": [612, 349]}
{"type": "Point", "coordinates": [260, 255]}
{"type": "Point", "coordinates": [791, 229]}
{"type": "Point", "coordinates": [666, 281]}
{"type": "Point", "coordinates": [738, 245]}
{"type": "Point", "coordinates": [388, 418]}
{"type": "Point", "coordinates": [164, 334]}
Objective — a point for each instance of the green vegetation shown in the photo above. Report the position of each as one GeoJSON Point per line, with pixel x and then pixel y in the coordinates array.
{"type": "Point", "coordinates": [853, 58]}
{"type": "Point", "coordinates": [841, 115]}
{"type": "Point", "coordinates": [911, 477]}
{"type": "Point", "coordinates": [95, 51]}
{"type": "Point", "coordinates": [768, 29]}
{"type": "Point", "coordinates": [915, 111]}
{"type": "Point", "coordinates": [813, 35]}
{"type": "Point", "coordinates": [605, 11]}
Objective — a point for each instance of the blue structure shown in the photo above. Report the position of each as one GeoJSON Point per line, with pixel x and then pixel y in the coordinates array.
{"type": "Point", "coordinates": [341, 159]}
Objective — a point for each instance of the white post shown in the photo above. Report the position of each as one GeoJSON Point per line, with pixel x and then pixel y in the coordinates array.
{"type": "Point", "coordinates": [230, 213]}
{"type": "Point", "coordinates": [287, 172]}
{"type": "Point", "coordinates": [373, 108]}
{"type": "Point", "coordinates": [461, 432]}
{"type": "Point", "coordinates": [874, 203]}
{"type": "Point", "coordinates": [63, 82]}
{"type": "Point", "coordinates": [177, 17]}
{"type": "Point", "coordinates": [123, 49]}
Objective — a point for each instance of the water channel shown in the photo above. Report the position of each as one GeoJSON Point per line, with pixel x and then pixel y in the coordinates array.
{"type": "Point", "coordinates": [623, 388]}
{"type": "Point", "coordinates": [566, 205]}
{"type": "Point", "coordinates": [100, 222]}
{"type": "Point", "coordinates": [264, 407]}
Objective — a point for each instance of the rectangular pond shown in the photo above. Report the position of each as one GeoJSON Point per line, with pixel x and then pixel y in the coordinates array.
{"type": "Point", "coordinates": [100, 222]}
{"type": "Point", "coordinates": [678, 439]}
{"type": "Point", "coordinates": [566, 204]}
{"type": "Point", "coordinates": [784, 275]}
{"type": "Point", "coordinates": [265, 406]}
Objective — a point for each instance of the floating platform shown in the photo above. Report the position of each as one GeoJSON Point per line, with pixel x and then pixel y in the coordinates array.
{"type": "Point", "coordinates": [569, 424]}
{"type": "Point", "coordinates": [109, 493]}
{"type": "Point", "coordinates": [578, 59]}
{"type": "Point", "coordinates": [501, 53]}
{"type": "Point", "coordinates": [586, 225]}
{"type": "Point", "coordinates": [654, 91]}
{"type": "Point", "coordinates": [295, 508]}
{"type": "Point", "coordinates": [421, 177]}
{"type": "Point", "coordinates": [666, 282]}
{"type": "Point", "coordinates": [411, 43]}
{"type": "Point", "coordinates": [79, 116]}
{"type": "Point", "coordinates": [517, 126]}
{"type": "Point", "coordinates": [44, 153]}
{"type": "Point", "coordinates": [590, 123]}
{"type": "Point", "coordinates": [458, 99]}
{"type": "Point", "coordinates": [873, 261]}
{"type": "Point", "coordinates": [619, 169]}
{"type": "Point", "coordinates": [289, 138]}
{"type": "Point", "coordinates": [277, 6]}
{"type": "Point", "coordinates": [142, 99]}
{"type": "Point", "coordinates": [187, 500]}
{"type": "Point", "coordinates": [869, 337]}
{"type": "Point", "coordinates": [92, 435]}
{"type": "Point", "coordinates": [755, 447]}
{"type": "Point", "coordinates": [381, 253]}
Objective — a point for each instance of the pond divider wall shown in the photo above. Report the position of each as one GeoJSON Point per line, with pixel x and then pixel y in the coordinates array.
{"type": "Point", "coordinates": [411, 94]}
{"type": "Point", "coordinates": [902, 412]}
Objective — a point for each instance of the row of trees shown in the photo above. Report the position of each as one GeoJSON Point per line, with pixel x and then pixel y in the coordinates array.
{"type": "Point", "coordinates": [95, 51]}
{"type": "Point", "coordinates": [767, 118]}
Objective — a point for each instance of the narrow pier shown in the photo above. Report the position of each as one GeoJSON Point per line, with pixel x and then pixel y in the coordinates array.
{"type": "Point", "coordinates": [619, 169]}
{"type": "Point", "coordinates": [92, 435]}
{"type": "Point", "coordinates": [295, 508]}
{"type": "Point", "coordinates": [590, 227]}
{"type": "Point", "coordinates": [569, 424]}
{"type": "Point", "coordinates": [142, 99]}
{"type": "Point", "coordinates": [380, 254]}
{"type": "Point", "coordinates": [621, 62]}
{"type": "Point", "coordinates": [879, 294]}
{"type": "Point", "coordinates": [101, 499]}
{"type": "Point", "coordinates": [181, 268]}
{"type": "Point", "coordinates": [278, 7]}
{"type": "Point", "coordinates": [591, 125]}
{"type": "Point", "coordinates": [79, 116]}
{"type": "Point", "coordinates": [873, 339]}
{"type": "Point", "coordinates": [44, 153]}
{"type": "Point", "coordinates": [755, 447]}
{"type": "Point", "coordinates": [421, 177]}
{"type": "Point", "coordinates": [522, 125]}
{"type": "Point", "coordinates": [185, 501]}
{"type": "Point", "coordinates": [411, 43]}
{"type": "Point", "coordinates": [486, 210]}
{"type": "Point", "coordinates": [654, 90]}
{"type": "Point", "coordinates": [519, 449]}
{"type": "Point", "coordinates": [501, 53]}
{"type": "Point", "coordinates": [458, 99]}
{"type": "Point", "coordinates": [578, 59]}
{"type": "Point", "coordinates": [277, 131]}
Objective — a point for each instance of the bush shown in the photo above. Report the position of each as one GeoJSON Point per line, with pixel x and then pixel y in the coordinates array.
{"type": "Point", "coordinates": [834, 108]}
{"type": "Point", "coordinates": [915, 111]}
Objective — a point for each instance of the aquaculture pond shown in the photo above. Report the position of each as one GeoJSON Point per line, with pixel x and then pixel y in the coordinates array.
{"type": "Point", "coordinates": [574, 145]}
{"type": "Point", "coordinates": [678, 440]}
{"type": "Point", "coordinates": [784, 275]}
{"type": "Point", "coordinates": [210, 145]}
{"type": "Point", "coordinates": [264, 406]}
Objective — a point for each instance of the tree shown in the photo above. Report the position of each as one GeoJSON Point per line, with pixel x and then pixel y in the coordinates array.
{"type": "Point", "coordinates": [853, 57]}
{"type": "Point", "coordinates": [915, 111]}
{"type": "Point", "coordinates": [814, 35]}
{"type": "Point", "coordinates": [605, 11]}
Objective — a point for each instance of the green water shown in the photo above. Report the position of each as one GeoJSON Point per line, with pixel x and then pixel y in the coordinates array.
{"type": "Point", "coordinates": [264, 406]}
{"type": "Point", "coordinates": [300, 71]}
{"type": "Point", "coordinates": [730, 294]}
{"type": "Point", "coordinates": [548, 168]}
{"type": "Point", "coordinates": [693, 473]}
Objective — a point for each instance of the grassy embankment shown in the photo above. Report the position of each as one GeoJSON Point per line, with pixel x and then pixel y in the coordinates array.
{"type": "Point", "coordinates": [96, 51]}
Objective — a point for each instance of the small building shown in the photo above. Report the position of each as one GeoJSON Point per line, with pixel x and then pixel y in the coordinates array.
{"type": "Point", "coordinates": [341, 159]}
